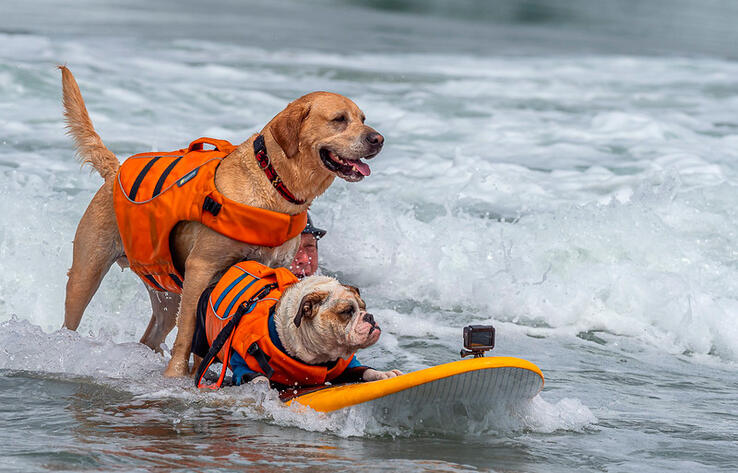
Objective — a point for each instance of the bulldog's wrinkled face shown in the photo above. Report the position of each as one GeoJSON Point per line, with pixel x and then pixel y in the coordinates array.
{"type": "Point", "coordinates": [330, 322]}
{"type": "Point", "coordinates": [327, 130]}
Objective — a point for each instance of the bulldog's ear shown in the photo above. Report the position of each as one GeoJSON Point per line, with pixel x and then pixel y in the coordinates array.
{"type": "Point", "coordinates": [355, 290]}
{"type": "Point", "coordinates": [285, 127]}
{"type": "Point", "coordinates": [309, 306]}
{"type": "Point", "coordinates": [352, 288]}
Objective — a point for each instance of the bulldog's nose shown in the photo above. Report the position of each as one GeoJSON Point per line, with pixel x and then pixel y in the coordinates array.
{"type": "Point", "coordinates": [375, 139]}
{"type": "Point", "coordinates": [369, 318]}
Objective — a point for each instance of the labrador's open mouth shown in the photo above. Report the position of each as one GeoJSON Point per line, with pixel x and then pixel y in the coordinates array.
{"type": "Point", "coordinates": [348, 169]}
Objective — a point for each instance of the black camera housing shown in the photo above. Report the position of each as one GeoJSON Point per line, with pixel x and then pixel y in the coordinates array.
{"type": "Point", "coordinates": [477, 340]}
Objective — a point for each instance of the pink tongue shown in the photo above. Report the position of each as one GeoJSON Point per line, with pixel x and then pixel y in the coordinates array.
{"type": "Point", "coordinates": [363, 168]}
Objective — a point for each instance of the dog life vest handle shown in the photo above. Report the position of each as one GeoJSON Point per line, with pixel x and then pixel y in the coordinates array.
{"type": "Point", "coordinates": [226, 334]}
{"type": "Point", "coordinates": [197, 145]}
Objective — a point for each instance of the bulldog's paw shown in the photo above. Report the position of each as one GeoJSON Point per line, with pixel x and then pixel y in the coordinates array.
{"type": "Point", "coordinates": [260, 380]}
{"type": "Point", "coordinates": [374, 375]}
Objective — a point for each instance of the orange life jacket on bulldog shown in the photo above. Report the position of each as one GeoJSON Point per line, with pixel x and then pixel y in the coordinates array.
{"type": "Point", "coordinates": [238, 308]}
{"type": "Point", "coordinates": [155, 191]}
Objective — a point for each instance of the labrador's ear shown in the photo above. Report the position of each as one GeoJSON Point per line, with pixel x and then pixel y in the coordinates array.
{"type": "Point", "coordinates": [285, 127]}
{"type": "Point", "coordinates": [309, 306]}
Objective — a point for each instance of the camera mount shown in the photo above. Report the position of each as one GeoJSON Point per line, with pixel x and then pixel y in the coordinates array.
{"type": "Point", "coordinates": [477, 340]}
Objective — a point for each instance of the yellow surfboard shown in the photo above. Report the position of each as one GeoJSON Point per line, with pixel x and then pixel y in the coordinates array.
{"type": "Point", "coordinates": [485, 382]}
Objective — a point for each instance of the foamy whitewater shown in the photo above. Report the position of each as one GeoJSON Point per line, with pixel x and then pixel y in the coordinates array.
{"type": "Point", "coordinates": [585, 204]}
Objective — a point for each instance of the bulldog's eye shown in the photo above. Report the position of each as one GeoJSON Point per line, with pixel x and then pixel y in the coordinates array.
{"type": "Point", "coordinates": [348, 313]}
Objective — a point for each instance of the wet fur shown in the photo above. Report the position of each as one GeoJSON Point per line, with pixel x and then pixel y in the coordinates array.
{"type": "Point", "coordinates": [293, 138]}
{"type": "Point", "coordinates": [313, 327]}
{"type": "Point", "coordinates": [323, 333]}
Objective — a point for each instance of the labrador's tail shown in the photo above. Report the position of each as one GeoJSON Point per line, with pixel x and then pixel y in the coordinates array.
{"type": "Point", "coordinates": [90, 147]}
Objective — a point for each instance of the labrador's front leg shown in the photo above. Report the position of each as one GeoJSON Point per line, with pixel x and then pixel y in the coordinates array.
{"type": "Point", "coordinates": [199, 272]}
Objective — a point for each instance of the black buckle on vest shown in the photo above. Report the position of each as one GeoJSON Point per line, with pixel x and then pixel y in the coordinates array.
{"type": "Point", "coordinates": [209, 205]}
{"type": "Point", "coordinates": [261, 358]}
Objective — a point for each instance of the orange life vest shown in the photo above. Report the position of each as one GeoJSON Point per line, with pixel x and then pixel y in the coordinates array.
{"type": "Point", "coordinates": [250, 338]}
{"type": "Point", "coordinates": [155, 191]}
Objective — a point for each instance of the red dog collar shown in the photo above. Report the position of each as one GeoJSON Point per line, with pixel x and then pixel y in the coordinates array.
{"type": "Point", "coordinates": [265, 164]}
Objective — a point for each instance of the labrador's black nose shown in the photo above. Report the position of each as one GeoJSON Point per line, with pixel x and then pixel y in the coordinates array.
{"type": "Point", "coordinates": [375, 139]}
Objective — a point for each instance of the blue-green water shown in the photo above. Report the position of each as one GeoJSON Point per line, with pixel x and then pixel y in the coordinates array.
{"type": "Point", "coordinates": [564, 170]}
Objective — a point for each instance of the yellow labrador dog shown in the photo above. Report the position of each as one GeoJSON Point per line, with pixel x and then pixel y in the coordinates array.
{"type": "Point", "coordinates": [314, 139]}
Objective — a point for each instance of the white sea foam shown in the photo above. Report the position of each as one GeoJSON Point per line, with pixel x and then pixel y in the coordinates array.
{"type": "Point", "coordinates": [552, 196]}
{"type": "Point", "coordinates": [566, 414]}
{"type": "Point", "coordinates": [25, 347]}
{"type": "Point", "coordinates": [653, 267]}
{"type": "Point", "coordinates": [134, 368]}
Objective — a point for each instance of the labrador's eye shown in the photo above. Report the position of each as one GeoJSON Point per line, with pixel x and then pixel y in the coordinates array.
{"type": "Point", "coordinates": [340, 119]}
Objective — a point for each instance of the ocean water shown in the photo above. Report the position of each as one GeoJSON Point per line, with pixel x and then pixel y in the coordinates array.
{"type": "Point", "coordinates": [574, 189]}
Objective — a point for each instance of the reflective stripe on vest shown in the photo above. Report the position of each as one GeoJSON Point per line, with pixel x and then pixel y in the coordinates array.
{"type": "Point", "coordinates": [155, 191]}
{"type": "Point", "coordinates": [241, 282]}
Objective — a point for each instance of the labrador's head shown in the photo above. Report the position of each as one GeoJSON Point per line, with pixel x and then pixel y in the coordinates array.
{"type": "Point", "coordinates": [326, 133]}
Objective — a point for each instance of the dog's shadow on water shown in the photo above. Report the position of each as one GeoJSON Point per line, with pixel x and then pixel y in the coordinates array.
{"type": "Point", "coordinates": [203, 433]}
